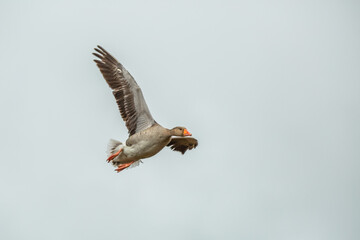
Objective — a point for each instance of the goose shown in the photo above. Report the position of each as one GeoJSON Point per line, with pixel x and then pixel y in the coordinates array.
{"type": "Point", "coordinates": [146, 136]}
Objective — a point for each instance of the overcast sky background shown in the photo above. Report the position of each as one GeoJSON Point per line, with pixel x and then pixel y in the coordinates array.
{"type": "Point", "coordinates": [269, 88]}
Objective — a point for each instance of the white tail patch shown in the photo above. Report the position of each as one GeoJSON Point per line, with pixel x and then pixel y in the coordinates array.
{"type": "Point", "coordinates": [113, 147]}
{"type": "Point", "coordinates": [135, 164]}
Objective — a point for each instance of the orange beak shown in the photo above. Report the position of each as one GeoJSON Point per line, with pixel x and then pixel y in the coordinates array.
{"type": "Point", "coordinates": [186, 132]}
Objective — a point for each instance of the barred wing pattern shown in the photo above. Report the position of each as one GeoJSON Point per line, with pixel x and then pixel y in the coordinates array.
{"type": "Point", "coordinates": [128, 95]}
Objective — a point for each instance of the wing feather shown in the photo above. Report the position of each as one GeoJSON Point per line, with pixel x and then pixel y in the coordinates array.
{"type": "Point", "coordinates": [182, 144]}
{"type": "Point", "coordinates": [128, 95]}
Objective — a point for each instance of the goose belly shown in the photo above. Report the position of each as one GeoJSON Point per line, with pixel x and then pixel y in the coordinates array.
{"type": "Point", "coordinates": [144, 149]}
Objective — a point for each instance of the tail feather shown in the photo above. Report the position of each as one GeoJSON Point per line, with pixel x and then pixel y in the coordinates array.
{"type": "Point", "coordinates": [113, 147]}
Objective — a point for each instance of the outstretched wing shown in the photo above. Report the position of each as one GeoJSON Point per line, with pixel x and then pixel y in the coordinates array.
{"type": "Point", "coordinates": [182, 144]}
{"type": "Point", "coordinates": [128, 95]}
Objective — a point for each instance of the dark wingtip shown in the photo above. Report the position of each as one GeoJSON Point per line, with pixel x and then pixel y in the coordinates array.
{"type": "Point", "coordinates": [98, 47]}
{"type": "Point", "coordinates": [97, 55]}
{"type": "Point", "coordinates": [102, 49]}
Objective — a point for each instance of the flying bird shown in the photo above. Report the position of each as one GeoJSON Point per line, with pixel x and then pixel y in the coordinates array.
{"type": "Point", "coordinates": [146, 136]}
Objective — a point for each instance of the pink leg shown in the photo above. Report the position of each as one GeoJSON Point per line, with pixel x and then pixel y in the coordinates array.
{"type": "Point", "coordinates": [123, 166]}
{"type": "Point", "coordinates": [113, 155]}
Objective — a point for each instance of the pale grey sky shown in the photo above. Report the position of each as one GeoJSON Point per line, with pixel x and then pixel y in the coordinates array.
{"type": "Point", "coordinates": [269, 88]}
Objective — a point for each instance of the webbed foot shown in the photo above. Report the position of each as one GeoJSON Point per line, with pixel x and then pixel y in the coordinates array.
{"type": "Point", "coordinates": [123, 166]}
{"type": "Point", "coordinates": [113, 155]}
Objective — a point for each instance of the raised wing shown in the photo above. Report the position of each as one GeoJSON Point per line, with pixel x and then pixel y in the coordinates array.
{"type": "Point", "coordinates": [182, 144]}
{"type": "Point", "coordinates": [128, 95]}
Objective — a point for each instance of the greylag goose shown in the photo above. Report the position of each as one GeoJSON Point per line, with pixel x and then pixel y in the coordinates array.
{"type": "Point", "coordinates": [146, 136]}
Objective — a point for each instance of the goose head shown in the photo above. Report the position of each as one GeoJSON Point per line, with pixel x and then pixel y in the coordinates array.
{"type": "Point", "coordinates": [180, 132]}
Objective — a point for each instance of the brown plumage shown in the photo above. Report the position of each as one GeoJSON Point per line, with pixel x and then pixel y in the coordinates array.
{"type": "Point", "coordinates": [127, 93]}
{"type": "Point", "coordinates": [182, 144]}
{"type": "Point", "coordinates": [146, 137]}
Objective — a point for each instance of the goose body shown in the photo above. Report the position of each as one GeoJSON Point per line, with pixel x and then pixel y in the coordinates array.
{"type": "Point", "coordinates": [144, 144]}
{"type": "Point", "coordinates": [146, 136]}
